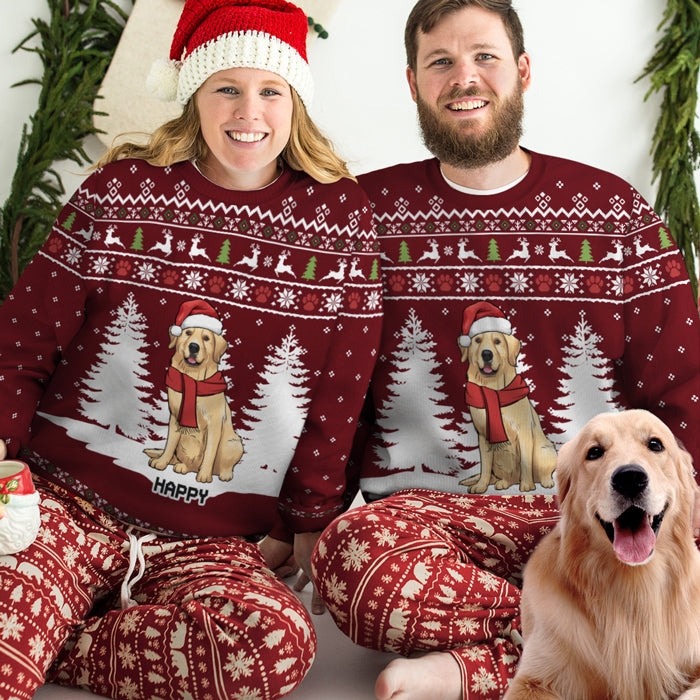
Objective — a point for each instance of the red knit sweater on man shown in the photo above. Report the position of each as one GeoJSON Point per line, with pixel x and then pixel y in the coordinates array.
{"type": "Point", "coordinates": [578, 268]}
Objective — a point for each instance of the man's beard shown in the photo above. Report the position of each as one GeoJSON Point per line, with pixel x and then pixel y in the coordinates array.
{"type": "Point", "coordinates": [453, 145]}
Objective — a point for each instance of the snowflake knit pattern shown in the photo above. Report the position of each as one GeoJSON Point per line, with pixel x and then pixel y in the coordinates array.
{"type": "Point", "coordinates": [292, 273]}
{"type": "Point", "coordinates": [591, 284]}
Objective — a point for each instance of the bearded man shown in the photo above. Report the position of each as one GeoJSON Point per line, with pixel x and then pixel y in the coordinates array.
{"type": "Point", "coordinates": [524, 294]}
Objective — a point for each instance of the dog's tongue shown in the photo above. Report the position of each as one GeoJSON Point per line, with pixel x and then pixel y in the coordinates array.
{"type": "Point", "coordinates": [634, 546]}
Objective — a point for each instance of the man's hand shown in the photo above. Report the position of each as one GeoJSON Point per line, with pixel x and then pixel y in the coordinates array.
{"type": "Point", "coordinates": [279, 556]}
{"type": "Point", "coordinates": [304, 543]}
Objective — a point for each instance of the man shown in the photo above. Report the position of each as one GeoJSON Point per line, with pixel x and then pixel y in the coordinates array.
{"type": "Point", "coordinates": [523, 295]}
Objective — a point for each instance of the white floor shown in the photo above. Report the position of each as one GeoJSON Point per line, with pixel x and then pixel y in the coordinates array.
{"type": "Point", "coordinates": [342, 670]}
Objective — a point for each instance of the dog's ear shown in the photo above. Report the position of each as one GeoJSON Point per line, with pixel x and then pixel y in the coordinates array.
{"type": "Point", "coordinates": [464, 352]}
{"type": "Point", "coordinates": [220, 346]}
{"type": "Point", "coordinates": [173, 338]}
{"type": "Point", "coordinates": [562, 473]}
{"type": "Point", "coordinates": [513, 345]}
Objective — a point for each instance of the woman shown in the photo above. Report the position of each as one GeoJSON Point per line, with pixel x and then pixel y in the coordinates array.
{"type": "Point", "coordinates": [183, 367]}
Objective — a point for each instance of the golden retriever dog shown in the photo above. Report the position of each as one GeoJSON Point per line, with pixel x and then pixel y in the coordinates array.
{"type": "Point", "coordinates": [527, 456]}
{"type": "Point", "coordinates": [611, 597]}
{"type": "Point", "coordinates": [208, 445]}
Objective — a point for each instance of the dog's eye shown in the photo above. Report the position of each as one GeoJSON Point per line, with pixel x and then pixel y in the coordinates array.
{"type": "Point", "coordinates": [497, 342]}
{"type": "Point", "coordinates": [655, 445]}
{"type": "Point", "coordinates": [595, 453]}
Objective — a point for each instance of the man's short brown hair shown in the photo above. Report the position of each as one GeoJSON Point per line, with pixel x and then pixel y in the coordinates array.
{"type": "Point", "coordinates": [427, 13]}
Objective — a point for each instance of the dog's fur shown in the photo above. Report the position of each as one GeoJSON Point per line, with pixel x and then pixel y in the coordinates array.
{"type": "Point", "coordinates": [622, 621]}
{"type": "Point", "coordinates": [213, 447]}
{"type": "Point", "coordinates": [528, 456]}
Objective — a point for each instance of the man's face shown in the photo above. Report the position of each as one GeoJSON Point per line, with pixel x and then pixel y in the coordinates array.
{"type": "Point", "coordinates": [468, 88]}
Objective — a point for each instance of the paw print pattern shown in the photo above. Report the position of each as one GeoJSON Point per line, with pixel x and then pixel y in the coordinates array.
{"type": "Point", "coordinates": [122, 268]}
{"type": "Point", "coordinates": [354, 300]}
{"type": "Point", "coordinates": [217, 284]}
{"type": "Point", "coordinates": [494, 282]}
{"type": "Point", "coordinates": [310, 302]}
{"type": "Point", "coordinates": [673, 269]}
{"type": "Point", "coordinates": [396, 283]}
{"type": "Point", "coordinates": [170, 277]}
{"type": "Point", "coordinates": [445, 282]}
{"type": "Point", "coordinates": [262, 294]}
{"type": "Point", "coordinates": [544, 282]}
{"type": "Point", "coordinates": [595, 284]}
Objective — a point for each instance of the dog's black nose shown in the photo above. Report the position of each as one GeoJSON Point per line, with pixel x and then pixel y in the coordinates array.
{"type": "Point", "coordinates": [629, 480]}
{"type": "Point", "coordinates": [486, 355]}
{"type": "Point", "coordinates": [194, 348]}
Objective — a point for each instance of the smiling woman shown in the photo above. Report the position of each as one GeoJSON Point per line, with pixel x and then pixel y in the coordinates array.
{"type": "Point", "coordinates": [236, 250]}
{"type": "Point", "coordinates": [246, 121]}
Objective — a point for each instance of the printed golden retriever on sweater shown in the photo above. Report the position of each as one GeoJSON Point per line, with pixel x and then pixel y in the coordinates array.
{"type": "Point", "coordinates": [201, 437]}
{"type": "Point", "coordinates": [512, 445]}
{"type": "Point", "coordinates": [611, 597]}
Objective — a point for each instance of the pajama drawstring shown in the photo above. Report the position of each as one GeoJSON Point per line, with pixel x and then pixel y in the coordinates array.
{"type": "Point", "coordinates": [135, 553]}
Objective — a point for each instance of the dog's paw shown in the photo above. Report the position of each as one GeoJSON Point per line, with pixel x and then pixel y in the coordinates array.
{"type": "Point", "coordinates": [478, 488]}
{"type": "Point", "coordinates": [527, 486]}
{"type": "Point", "coordinates": [158, 463]}
{"type": "Point", "coordinates": [204, 478]}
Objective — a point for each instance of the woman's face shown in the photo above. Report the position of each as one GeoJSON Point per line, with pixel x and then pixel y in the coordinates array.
{"type": "Point", "coordinates": [246, 119]}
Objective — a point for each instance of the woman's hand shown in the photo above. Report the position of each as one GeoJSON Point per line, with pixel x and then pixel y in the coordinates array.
{"type": "Point", "coordinates": [304, 543]}
{"type": "Point", "coordinates": [279, 556]}
{"type": "Point", "coordinates": [3, 449]}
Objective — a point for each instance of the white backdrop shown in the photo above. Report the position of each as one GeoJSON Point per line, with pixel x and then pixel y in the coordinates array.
{"type": "Point", "coordinates": [583, 103]}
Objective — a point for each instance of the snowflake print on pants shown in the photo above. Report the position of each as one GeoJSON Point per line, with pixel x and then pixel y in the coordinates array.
{"type": "Point", "coordinates": [426, 571]}
{"type": "Point", "coordinates": [210, 622]}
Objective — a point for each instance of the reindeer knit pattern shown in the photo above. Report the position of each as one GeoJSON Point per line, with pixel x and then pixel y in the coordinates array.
{"type": "Point", "coordinates": [292, 273]}
{"type": "Point", "coordinates": [569, 282]}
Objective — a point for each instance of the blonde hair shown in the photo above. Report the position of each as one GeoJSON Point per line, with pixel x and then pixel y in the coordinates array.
{"type": "Point", "coordinates": [181, 139]}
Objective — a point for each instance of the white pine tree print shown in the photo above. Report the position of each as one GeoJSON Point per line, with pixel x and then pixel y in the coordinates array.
{"type": "Point", "coordinates": [116, 392]}
{"type": "Point", "coordinates": [273, 424]}
{"type": "Point", "coordinates": [587, 386]}
{"type": "Point", "coordinates": [412, 422]}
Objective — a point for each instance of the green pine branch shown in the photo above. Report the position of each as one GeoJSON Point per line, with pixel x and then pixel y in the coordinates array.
{"type": "Point", "coordinates": [75, 47]}
{"type": "Point", "coordinates": [673, 70]}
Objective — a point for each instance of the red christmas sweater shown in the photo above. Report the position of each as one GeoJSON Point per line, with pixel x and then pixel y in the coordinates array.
{"type": "Point", "coordinates": [589, 310]}
{"type": "Point", "coordinates": [273, 297]}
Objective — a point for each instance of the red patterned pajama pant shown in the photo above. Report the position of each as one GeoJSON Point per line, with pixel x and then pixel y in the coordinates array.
{"type": "Point", "coordinates": [210, 621]}
{"type": "Point", "coordinates": [428, 571]}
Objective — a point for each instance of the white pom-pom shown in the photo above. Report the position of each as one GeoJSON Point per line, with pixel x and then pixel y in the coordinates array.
{"type": "Point", "coordinates": [465, 341]}
{"type": "Point", "coordinates": [162, 79]}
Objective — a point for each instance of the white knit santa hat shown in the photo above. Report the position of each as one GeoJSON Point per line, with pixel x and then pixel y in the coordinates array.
{"type": "Point", "coordinates": [482, 317]}
{"type": "Point", "coordinates": [215, 35]}
{"type": "Point", "coordinates": [197, 314]}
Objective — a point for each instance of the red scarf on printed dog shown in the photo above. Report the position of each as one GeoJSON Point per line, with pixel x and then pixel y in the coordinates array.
{"type": "Point", "coordinates": [492, 400]}
{"type": "Point", "coordinates": [190, 390]}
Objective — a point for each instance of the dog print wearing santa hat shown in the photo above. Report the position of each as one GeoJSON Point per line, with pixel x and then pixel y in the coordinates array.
{"type": "Point", "coordinates": [513, 448]}
{"type": "Point", "coordinates": [200, 437]}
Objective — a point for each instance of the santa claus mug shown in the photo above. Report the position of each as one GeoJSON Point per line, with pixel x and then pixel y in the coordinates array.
{"type": "Point", "coordinates": [19, 507]}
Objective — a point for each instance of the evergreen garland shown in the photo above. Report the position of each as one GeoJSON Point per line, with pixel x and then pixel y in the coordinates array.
{"type": "Point", "coordinates": [674, 69]}
{"type": "Point", "coordinates": [76, 47]}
